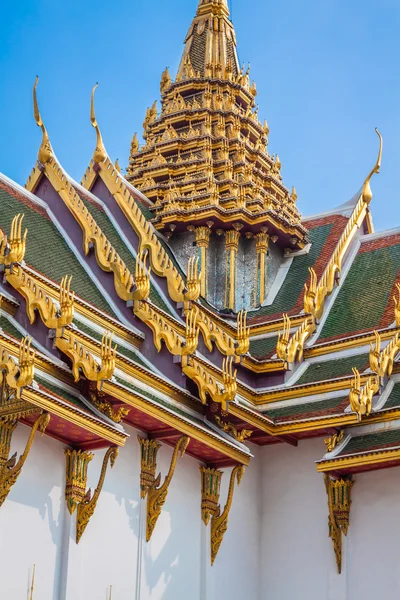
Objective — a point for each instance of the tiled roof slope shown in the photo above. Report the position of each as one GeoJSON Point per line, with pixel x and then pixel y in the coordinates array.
{"type": "Point", "coordinates": [109, 230]}
{"type": "Point", "coordinates": [308, 410]}
{"type": "Point", "coordinates": [43, 239]}
{"type": "Point", "coordinates": [328, 369]}
{"type": "Point", "coordinates": [364, 301]}
{"type": "Point", "coordinates": [372, 441]}
{"type": "Point", "coordinates": [324, 234]}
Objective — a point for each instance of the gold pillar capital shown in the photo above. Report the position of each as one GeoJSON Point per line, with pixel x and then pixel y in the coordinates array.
{"type": "Point", "coordinates": [202, 236]}
{"type": "Point", "coordinates": [77, 462]}
{"type": "Point", "coordinates": [262, 242]}
{"type": "Point", "coordinates": [232, 239]}
{"type": "Point", "coordinates": [210, 491]}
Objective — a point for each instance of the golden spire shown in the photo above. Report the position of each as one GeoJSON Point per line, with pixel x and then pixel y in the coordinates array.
{"type": "Point", "coordinates": [210, 45]}
{"type": "Point", "coordinates": [100, 151]}
{"type": "Point", "coordinates": [366, 189]}
{"type": "Point", "coordinates": [45, 151]}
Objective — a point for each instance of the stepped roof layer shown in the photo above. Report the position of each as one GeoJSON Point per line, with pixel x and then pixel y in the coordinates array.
{"type": "Point", "coordinates": [133, 339]}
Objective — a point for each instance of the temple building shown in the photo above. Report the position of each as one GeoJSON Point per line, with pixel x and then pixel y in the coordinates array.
{"type": "Point", "coordinates": [200, 388]}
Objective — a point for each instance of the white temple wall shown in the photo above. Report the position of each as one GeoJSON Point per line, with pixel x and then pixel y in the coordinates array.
{"type": "Point", "coordinates": [31, 520]}
{"type": "Point", "coordinates": [297, 558]}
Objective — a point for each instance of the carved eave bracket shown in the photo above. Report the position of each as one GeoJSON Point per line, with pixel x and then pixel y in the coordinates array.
{"type": "Point", "coordinates": [87, 507]}
{"type": "Point", "coordinates": [10, 468]}
{"type": "Point", "coordinates": [339, 503]}
{"type": "Point", "coordinates": [149, 485]}
{"type": "Point", "coordinates": [77, 462]}
{"type": "Point", "coordinates": [210, 507]}
{"type": "Point", "coordinates": [207, 383]}
{"type": "Point", "coordinates": [290, 348]}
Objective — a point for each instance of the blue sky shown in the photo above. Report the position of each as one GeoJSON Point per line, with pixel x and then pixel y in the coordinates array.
{"type": "Point", "coordinates": [327, 73]}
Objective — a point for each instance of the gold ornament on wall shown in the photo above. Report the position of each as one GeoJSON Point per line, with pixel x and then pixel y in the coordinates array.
{"type": "Point", "coordinates": [339, 504]}
{"type": "Point", "coordinates": [10, 468]}
{"type": "Point", "coordinates": [88, 505]}
{"type": "Point", "coordinates": [210, 491]}
{"type": "Point", "coordinates": [148, 460]}
{"type": "Point", "coordinates": [157, 494]}
{"type": "Point", "coordinates": [77, 462]}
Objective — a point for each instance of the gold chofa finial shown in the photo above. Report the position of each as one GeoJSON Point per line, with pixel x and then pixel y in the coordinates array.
{"type": "Point", "coordinates": [100, 152]}
{"type": "Point", "coordinates": [45, 151]}
{"type": "Point", "coordinates": [366, 189]}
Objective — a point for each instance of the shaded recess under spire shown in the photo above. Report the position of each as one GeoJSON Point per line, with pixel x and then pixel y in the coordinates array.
{"type": "Point", "coordinates": [211, 41]}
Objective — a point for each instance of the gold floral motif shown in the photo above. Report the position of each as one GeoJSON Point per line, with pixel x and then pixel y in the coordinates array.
{"type": "Point", "coordinates": [87, 507]}
{"type": "Point", "coordinates": [157, 494]}
{"type": "Point", "coordinates": [104, 406]}
{"type": "Point", "coordinates": [10, 468]}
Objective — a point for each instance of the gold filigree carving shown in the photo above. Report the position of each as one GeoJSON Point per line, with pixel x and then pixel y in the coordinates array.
{"type": "Point", "coordinates": [360, 398]}
{"type": "Point", "coordinates": [156, 494]}
{"type": "Point", "coordinates": [18, 375]}
{"type": "Point", "coordinates": [148, 462]}
{"type": "Point", "coordinates": [381, 361]}
{"type": "Point", "coordinates": [243, 334]}
{"type": "Point", "coordinates": [37, 300]}
{"type": "Point", "coordinates": [104, 406]}
{"type": "Point", "coordinates": [77, 462]}
{"type": "Point", "coordinates": [12, 247]}
{"type": "Point", "coordinates": [83, 359]}
{"type": "Point", "coordinates": [87, 507]}
{"type": "Point", "coordinates": [210, 492]}
{"type": "Point", "coordinates": [339, 503]}
{"type": "Point", "coordinates": [208, 384]}
{"type": "Point", "coordinates": [10, 468]}
{"type": "Point", "coordinates": [229, 428]}
{"type": "Point", "coordinates": [290, 348]}
{"type": "Point", "coordinates": [332, 441]}
{"type": "Point", "coordinates": [142, 278]}
{"type": "Point", "coordinates": [166, 330]}
{"type": "Point", "coordinates": [219, 521]}
{"type": "Point", "coordinates": [193, 280]}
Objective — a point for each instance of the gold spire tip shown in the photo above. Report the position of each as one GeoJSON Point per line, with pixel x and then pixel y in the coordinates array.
{"type": "Point", "coordinates": [100, 152]}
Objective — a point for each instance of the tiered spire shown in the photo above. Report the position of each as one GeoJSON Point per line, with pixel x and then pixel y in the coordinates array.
{"type": "Point", "coordinates": [205, 159]}
{"type": "Point", "coordinates": [210, 45]}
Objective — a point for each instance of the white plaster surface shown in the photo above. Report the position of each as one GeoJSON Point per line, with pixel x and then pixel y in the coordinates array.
{"type": "Point", "coordinates": [276, 546]}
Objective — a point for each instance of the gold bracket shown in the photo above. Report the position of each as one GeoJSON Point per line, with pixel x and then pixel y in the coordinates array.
{"type": "Point", "coordinates": [10, 468]}
{"type": "Point", "coordinates": [148, 460]}
{"type": "Point", "coordinates": [87, 507]}
{"type": "Point", "coordinates": [219, 521]}
{"type": "Point", "coordinates": [339, 503]}
{"type": "Point", "coordinates": [156, 493]}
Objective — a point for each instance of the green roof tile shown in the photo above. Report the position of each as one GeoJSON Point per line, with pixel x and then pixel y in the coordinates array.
{"type": "Point", "coordinates": [362, 299]}
{"type": "Point", "coordinates": [113, 236]}
{"type": "Point", "coordinates": [46, 250]}
{"type": "Point", "coordinates": [263, 346]}
{"type": "Point", "coordinates": [394, 397]}
{"type": "Point", "coordinates": [305, 408]}
{"type": "Point", "coordinates": [329, 369]}
{"type": "Point", "coordinates": [370, 441]}
{"type": "Point", "coordinates": [298, 274]}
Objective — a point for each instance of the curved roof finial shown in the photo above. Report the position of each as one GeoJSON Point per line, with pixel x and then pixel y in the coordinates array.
{"type": "Point", "coordinates": [366, 189]}
{"type": "Point", "coordinates": [100, 152]}
{"type": "Point", "coordinates": [45, 151]}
